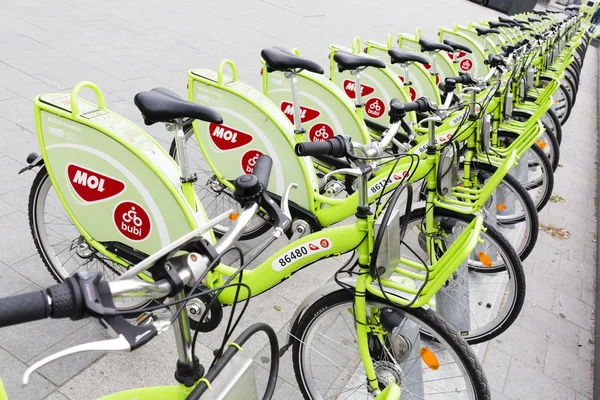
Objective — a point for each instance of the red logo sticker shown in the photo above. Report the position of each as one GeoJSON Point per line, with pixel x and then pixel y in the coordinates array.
{"type": "Point", "coordinates": [227, 138]}
{"type": "Point", "coordinates": [375, 108]}
{"type": "Point", "coordinates": [313, 247]}
{"type": "Point", "coordinates": [324, 243]}
{"type": "Point", "coordinates": [400, 175]}
{"type": "Point", "coordinates": [249, 160]}
{"type": "Point", "coordinates": [132, 221]}
{"type": "Point", "coordinates": [465, 64]}
{"type": "Point", "coordinates": [461, 54]}
{"type": "Point", "coordinates": [92, 186]}
{"type": "Point", "coordinates": [320, 132]}
{"type": "Point", "coordinates": [350, 89]}
{"type": "Point", "coordinates": [306, 114]}
{"type": "Point", "coordinates": [412, 93]}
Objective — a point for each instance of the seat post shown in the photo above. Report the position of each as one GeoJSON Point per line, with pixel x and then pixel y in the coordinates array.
{"type": "Point", "coordinates": [293, 77]}
{"type": "Point", "coordinates": [180, 143]}
{"type": "Point", "coordinates": [407, 82]}
{"type": "Point", "coordinates": [357, 87]}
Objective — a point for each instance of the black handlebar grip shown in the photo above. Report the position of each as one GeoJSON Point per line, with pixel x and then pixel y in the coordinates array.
{"type": "Point", "coordinates": [262, 169]}
{"type": "Point", "coordinates": [335, 147]}
{"type": "Point", "coordinates": [66, 300]}
{"type": "Point", "coordinates": [419, 105]}
{"type": "Point", "coordinates": [24, 307]}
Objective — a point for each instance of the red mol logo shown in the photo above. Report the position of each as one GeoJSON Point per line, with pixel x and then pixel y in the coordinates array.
{"type": "Point", "coordinates": [320, 132]}
{"type": "Point", "coordinates": [227, 138]}
{"type": "Point", "coordinates": [375, 108]}
{"type": "Point", "coordinates": [93, 186]}
{"type": "Point", "coordinates": [306, 114]}
{"type": "Point", "coordinates": [132, 221]}
{"type": "Point", "coordinates": [460, 54]}
{"type": "Point", "coordinates": [350, 89]}
{"type": "Point", "coordinates": [249, 160]}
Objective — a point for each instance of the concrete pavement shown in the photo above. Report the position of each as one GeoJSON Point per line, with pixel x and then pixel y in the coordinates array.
{"type": "Point", "coordinates": [127, 47]}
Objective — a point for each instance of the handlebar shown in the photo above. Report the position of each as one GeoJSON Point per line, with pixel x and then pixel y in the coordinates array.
{"type": "Point", "coordinates": [335, 147]}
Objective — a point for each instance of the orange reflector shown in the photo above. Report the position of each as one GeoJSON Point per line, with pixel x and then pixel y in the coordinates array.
{"type": "Point", "coordinates": [429, 358]}
{"type": "Point", "coordinates": [485, 259]}
{"type": "Point", "coordinates": [233, 216]}
{"type": "Point", "coordinates": [541, 144]}
{"type": "Point", "coordinates": [501, 207]}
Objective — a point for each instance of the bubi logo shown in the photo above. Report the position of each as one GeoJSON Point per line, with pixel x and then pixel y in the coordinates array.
{"type": "Point", "coordinates": [320, 132]}
{"type": "Point", "coordinates": [465, 64]}
{"type": "Point", "coordinates": [306, 114]}
{"type": "Point", "coordinates": [92, 186]}
{"type": "Point", "coordinates": [249, 160]}
{"type": "Point", "coordinates": [227, 138]}
{"type": "Point", "coordinates": [132, 221]}
{"type": "Point", "coordinates": [411, 91]}
{"type": "Point", "coordinates": [375, 107]}
{"type": "Point", "coordinates": [350, 89]}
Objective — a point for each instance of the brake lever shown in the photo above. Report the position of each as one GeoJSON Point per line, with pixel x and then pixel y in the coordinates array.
{"type": "Point", "coordinates": [117, 345]}
{"type": "Point", "coordinates": [285, 205]}
{"type": "Point", "coordinates": [124, 342]}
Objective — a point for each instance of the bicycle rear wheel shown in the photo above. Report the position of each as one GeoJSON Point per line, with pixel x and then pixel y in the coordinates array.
{"type": "Point", "coordinates": [328, 365]}
{"type": "Point", "coordinates": [61, 246]}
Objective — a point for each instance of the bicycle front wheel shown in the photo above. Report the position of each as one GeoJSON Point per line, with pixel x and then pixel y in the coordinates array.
{"type": "Point", "coordinates": [509, 209]}
{"type": "Point", "coordinates": [486, 293]}
{"type": "Point", "coordinates": [328, 365]}
{"type": "Point", "coordinates": [533, 171]}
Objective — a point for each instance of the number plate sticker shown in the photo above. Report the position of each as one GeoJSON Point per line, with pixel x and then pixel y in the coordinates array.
{"type": "Point", "coordinates": [300, 252]}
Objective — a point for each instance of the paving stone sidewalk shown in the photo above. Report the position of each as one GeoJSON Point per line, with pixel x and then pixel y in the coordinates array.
{"type": "Point", "coordinates": [127, 47]}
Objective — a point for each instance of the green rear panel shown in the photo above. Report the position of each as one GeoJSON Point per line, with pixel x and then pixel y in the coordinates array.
{"type": "Point", "coordinates": [422, 84]}
{"type": "Point", "coordinates": [325, 109]}
{"type": "Point", "coordinates": [445, 68]}
{"type": "Point", "coordinates": [114, 179]}
{"type": "Point", "coordinates": [379, 87]}
{"type": "Point", "coordinates": [471, 63]}
{"type": "Point", "coordinates": [252, 125]}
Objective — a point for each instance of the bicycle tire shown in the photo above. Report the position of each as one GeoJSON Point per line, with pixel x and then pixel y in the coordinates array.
{"type": "Point", "coordinates": [465, 355]}
{"type": "Point", "coordinates": [530, 215]}
{"type": "Point", "coordinates": [40, 187]}
{"type": "Point", "coordinates": [547, 174]}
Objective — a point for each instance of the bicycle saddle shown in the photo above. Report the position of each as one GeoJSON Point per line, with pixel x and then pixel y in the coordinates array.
{"type": "Point", "coordinates": [400, 57]}
{"type": "Point", "coordinates": [278, 59]}
{"type": "Point", "coordinates": [457, 46]}
{"type": "Point", "coordinates": [429, 45]}
{"type": "Point", "coordinates": [164, 105]}
{"type": "Point", "coordinates": [507, 20]}
{"type": "Point", "coordinates": [349, 61]}
{"type": "Point", "coordinates": [485, 31]}
{"type": "Point", "coordinates": [494, 24]}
